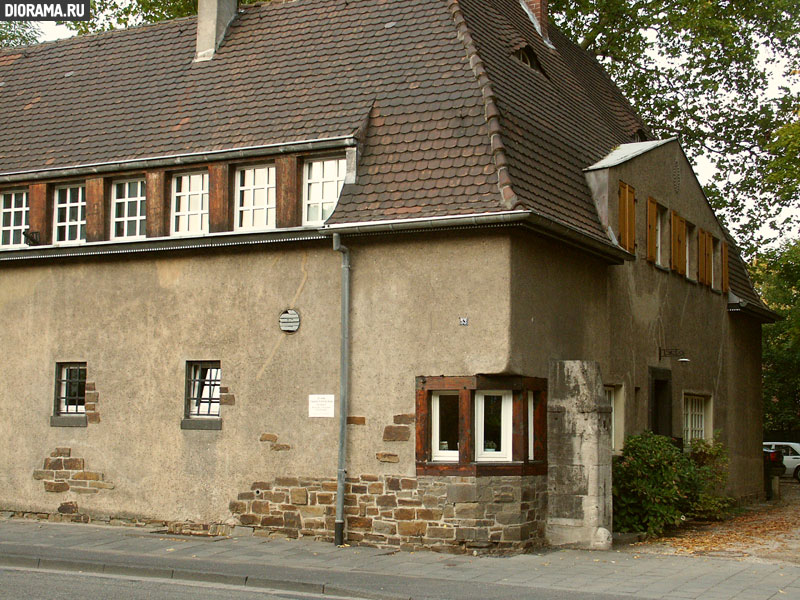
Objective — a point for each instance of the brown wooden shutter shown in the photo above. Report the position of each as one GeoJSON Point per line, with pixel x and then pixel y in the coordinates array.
{"type": "Point", "coordinates": [652, 229]}
{"type": "Point", "coordinates": [701, 256]}
{"type": "Point", "coordinates": [631, 204]}
{"type": "Point", "coordinates": [725, 283]}
{"type": "Point", "coordinates": [709, 258]}
{"type": "Point", "coordinates": [623, 215]}
{"type": "Point", "coordinates": [682, 245]}
{"type": "Point", "coordinates": [674, 222]}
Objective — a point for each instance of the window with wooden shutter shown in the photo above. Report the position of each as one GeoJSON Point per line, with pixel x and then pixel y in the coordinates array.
{"type": "Point", "coordinates": [627, 217]}
{"type": "Point", "coordinates": [725, 283]}
{"type": "Point", "coordinates": [709, 259]}
{"type": "Point", "coordinates": [678, 255]}
{"type": "Point", "coordinates": [652, 230]}
{"type": "Point", "coordinates": [701, 256]}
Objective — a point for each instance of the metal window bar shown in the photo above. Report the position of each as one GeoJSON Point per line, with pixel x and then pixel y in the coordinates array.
{"type": "Point", "coordinates": [203, 383]}
{"type": "Point", "coordinates": [694, 418]}
{"type": "Point", "coordinates": [71, 389]}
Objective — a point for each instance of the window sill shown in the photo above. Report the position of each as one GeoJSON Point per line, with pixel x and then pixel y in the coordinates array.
{"type": "Point", "coordinates": [202, 424]}
{"type": "Point", "coordinates": [661, 267]}
{"type": "Point", "coordinates": [68, 421]}
{"type": "Point", "coordinates": [483, 469]}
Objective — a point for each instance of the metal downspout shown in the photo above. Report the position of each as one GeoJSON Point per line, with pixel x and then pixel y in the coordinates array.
{"type": "Point", "coordinates": [344, 380]}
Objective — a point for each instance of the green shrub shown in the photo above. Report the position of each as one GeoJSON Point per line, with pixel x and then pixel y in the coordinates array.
{"type": "Point", "coordinates": [656, 485]}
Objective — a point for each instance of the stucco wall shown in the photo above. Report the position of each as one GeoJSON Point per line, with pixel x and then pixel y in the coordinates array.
{"type": "Point", "coordinates": [651, 307]}
{"type": "Point", "coordinates": [136, 321]}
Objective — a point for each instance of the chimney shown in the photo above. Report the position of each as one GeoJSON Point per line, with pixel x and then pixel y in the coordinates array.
{"type": "Point", "coordinates": [213, 18]}
{"type": "Point", "coordinates": [537, 10]}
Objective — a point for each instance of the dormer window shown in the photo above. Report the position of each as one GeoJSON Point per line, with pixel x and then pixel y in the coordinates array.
{"type": "Point", "coordinates": [322, 184]}
{"type": "Point", "coordinates": [70, 214]}
{"type": "Point", "coordinates": [13, 217]}
{"type": "Point", "coordinates": [255, 198]}
{"type": "Point", "coordinates": [190, 204]}
{"type": "Point", "coordinates": [528, 57]}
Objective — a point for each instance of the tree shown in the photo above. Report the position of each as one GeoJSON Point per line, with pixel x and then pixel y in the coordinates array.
{"type": "Point", "coordinates": [700, 70]}
{"type": "Point", "coordinates": [18, 33]}
{"type": "Point", "coordinates": [777, 275]}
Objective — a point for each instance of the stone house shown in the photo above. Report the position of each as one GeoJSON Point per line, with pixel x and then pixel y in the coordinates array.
{"type": "Point", "coordinates": [398, 273]}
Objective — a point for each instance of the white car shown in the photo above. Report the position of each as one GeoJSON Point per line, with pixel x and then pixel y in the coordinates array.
{"type": "Point", "coordinates": [791, 456]}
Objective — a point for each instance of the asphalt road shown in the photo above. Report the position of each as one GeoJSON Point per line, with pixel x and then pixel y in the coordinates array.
{"type": "Point", "coordinates": [24, 584]}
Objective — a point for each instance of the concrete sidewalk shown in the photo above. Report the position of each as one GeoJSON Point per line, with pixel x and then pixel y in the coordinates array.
{"type": "Point", "coordinates": [304, 565]}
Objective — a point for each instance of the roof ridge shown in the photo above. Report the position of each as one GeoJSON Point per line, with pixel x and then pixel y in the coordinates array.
{"type": "Point", "coordinates": [507, 194]}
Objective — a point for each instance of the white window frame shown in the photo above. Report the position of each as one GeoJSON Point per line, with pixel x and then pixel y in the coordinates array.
{"type": "Point", "coordinates": [438, 455]}
{"type": "Point", "coordinates": [615, 396]}
{"type": "Point", "coordinates": [321, 177]}
{"type": "Point", "coordinates": [531, 428]}
{"type": "Point", "coordinates": [188, 192]}
{"type": "Point", "coordinates": [481, 455]}
{"type": "Point", "coordinates": [245, 194]}
{"type": "Point", "coordinates": [139, 219]}
{"type": "Point", "coordinates": [203, 391]}
{"type": "Point", "coordinates": [697, 417]}
{"type": "Point", "coordinates": [79, 223]}
{"type": "Point", "coordinates": [12, 211]}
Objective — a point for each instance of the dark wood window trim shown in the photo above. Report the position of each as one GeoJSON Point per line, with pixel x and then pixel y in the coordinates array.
{"type": "Point", "coordinates": [466, 387]}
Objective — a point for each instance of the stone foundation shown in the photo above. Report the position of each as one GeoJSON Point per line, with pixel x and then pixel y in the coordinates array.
{"type": "Point", "coordinates": [456, 514]}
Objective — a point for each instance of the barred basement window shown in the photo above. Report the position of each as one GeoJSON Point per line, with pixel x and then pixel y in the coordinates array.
{"type": "Point", "coordinates": [129, 212]}
{"type": "Point", "coordinates": [322, 184]}
{"type": "Point", "coordinates": [70, 389]}
{"type": "Point", "coordinates": [696, 417]}
{"type": "Point", "coordinates": [190, 204]}
{"type": "Point", "coordinates": [255, 198]}
{"type": "Point", "coordinates": [70, 214]}
{"type": "Point", "coordinates": [203, 380]}
{"type": "Point", "coordinates": [13, 218]}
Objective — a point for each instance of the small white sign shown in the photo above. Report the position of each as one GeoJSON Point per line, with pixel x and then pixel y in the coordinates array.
{"type": "Point", "coordinates": [320, 405]}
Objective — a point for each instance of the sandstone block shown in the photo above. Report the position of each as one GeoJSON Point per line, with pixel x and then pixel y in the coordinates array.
{"type": "Point", "coordinates": [272, 521]}
{"type": "Point", "coordinates": [375, 488]}
{"type": "Point", "coordinates": [68, 508]}
{"type": "Point", "coordinates": [83, 490]}
{"type": "Point", "coordinates": [444, 533]}
{"type": "Point", "coordinates": [325, 498]}
{"type": "Point", "coordinates": [88, 476]}
{"type": "Point", "coordinates": [460, 492]}
{"type": "Point", "coordinates": [90, 406]}
{"type": "Point", "coordinates": [260, 507]}
{"type": "Point", "coordinates": [404, 514]}
{"type": "Point", "coordinates": [280, 447]}
{"type": "Point", "coordinates": [292, 520]}
{"type": "Point", "coordinates": [359, 523]}
{"type": "Point", "coordinates": [415, 528]}
{"type": "Point", "coordinates": [237, 507]}
{"type": "Point", "coordinates": [393, 483]}
{"type": "Point", "coordinates": [429, 514]}
{"type": "Point", "coordinates": [469, 510]}
{"type": "Point", "coordinates": [384, 527]}
{"type": "Point", "coordinates": [268, 437]}
{"type": "Point", "coordinates": [261, 485]}
{"type": "Point", "coordinates": [91, 396]}
{"type": "Point", "coordinates": [387, 457]}
{"type": "Point", "coordinates": [386, 500]}
{"type": "Point", "coordinates": [73, 464]}
{"type": "Point", "coordinates": [287, 481]}
{"type": "Point", "coordinates": [101, 485]}
{"type": "Point", "coordinates": [405, 419]}
{"type": "Point", "coordinates": [246, 496]}
{"type": "Point", "coordinates": [249, 519]}
{"type": "Point", "coordinates": [356, 420]}
{"type": "Point", "coordinates": [56, 486]}
{"type": "Point", "coordinates": [396, 433]}
{"type": "Point", "coordinates": [92, 417]}
{"type": "Point", "coordinates": [311, 511]}
{"type": "Point", "coordinates": [61, 451]}
{"type": "Point", "coordinates": [408, 484]}
{"type": "Point", "coordinates": [227, 399]}
{"type": "Point", "coordinates": [53, 464]}
{"type": "Point", "coordinates": [299, 496]}
{"type": "Point", "coordinates": [90, 386]}
{"type": "Point", "coordinates": [40, 474]}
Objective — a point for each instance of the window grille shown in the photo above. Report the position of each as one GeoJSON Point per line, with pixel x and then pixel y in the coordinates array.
{"type": "Point", "coordinates": [128, 220]}
{"type": "Point", "coordinates": [202, 388]}
{"type": "Point", "coordinates": [13, 218]}
{"type": "Point", "coordinates": [71, 388]}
